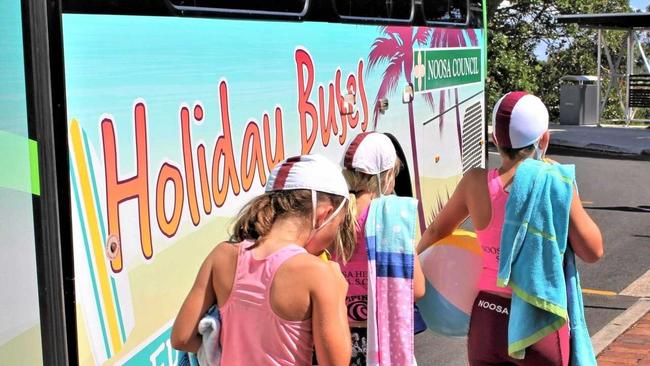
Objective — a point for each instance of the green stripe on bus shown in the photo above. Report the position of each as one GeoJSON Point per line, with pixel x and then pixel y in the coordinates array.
{"type": "Point", "coordinates": [19, 163]}
{"type": "Point", "coordinates": [33, 167]}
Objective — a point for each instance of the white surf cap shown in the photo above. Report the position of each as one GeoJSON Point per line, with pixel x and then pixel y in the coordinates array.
{"type": "Point", "coordinates": [370, 153]}
{"type": "Point", "coordinates": [519, 120]}
{"type": "Point", "coordinates": [313, 172]}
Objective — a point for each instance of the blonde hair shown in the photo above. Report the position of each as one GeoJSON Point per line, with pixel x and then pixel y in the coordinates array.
{"type": "Point", "coordinates": [359, 182]}
{"type": "Point", "coordinates": [257, 217]}
{"type": "Point", "coordinates": [517, 154]}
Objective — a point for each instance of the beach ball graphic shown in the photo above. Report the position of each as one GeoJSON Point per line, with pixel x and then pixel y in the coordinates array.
{"type": "Point", "coordinates": [452, 268]}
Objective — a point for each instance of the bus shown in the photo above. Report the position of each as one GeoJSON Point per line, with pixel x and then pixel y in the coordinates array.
{"type": "Point", "coordinates": [133, 131]}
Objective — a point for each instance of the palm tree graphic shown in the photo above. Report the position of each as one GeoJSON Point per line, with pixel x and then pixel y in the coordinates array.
{"type": "Point", "coordinates": [395, 47]}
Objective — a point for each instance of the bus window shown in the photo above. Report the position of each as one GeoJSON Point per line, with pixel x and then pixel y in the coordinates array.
{"type": "Point", "coordinates": [253, 6]}
{"type": "Point", "coordinates": [475, 14]}
{"type": "Point", "coordinates": [445, 11]}
{"type": "Point", "coordinates": [374, 9]}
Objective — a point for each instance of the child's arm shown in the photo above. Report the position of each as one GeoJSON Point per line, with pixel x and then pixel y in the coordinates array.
{"type": "Point", "coordinates": [451, 216]}
{"type": "Point", "coordinates": [418, 279]}
{"type": "Point", "coordinates": [329, 316]}
{"type": "Point", "coordinates": [185, 336]}
{"type": "Point", "coordinates": [584, 235]}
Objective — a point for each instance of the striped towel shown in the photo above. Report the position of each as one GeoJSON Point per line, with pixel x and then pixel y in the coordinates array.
{"type": "Point", "coordinates": [390, 236]}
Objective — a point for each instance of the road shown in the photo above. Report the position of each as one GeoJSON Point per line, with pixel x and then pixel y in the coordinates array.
{"type": "Point", "coordinates": [616, 193]}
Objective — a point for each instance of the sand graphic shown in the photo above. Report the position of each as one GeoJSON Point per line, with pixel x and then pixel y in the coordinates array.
{"type": "Point", "coordinates": [158, 288]}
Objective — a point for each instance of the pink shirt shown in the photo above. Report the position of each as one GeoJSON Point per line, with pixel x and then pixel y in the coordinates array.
{"type": "Point", "coordinates": [252, 334]}
{"type": "Point", "coordinates": [356, 273]}
{"type": "Point", "coordinates": [490, 236]}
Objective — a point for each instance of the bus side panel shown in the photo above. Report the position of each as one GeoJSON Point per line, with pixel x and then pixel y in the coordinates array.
{"type": "Point", "coordinates": [175, 123]}
{"type": "Point", "coordinates": [449, 125]}
{"type": "Point", "coordinates": [20, 331]}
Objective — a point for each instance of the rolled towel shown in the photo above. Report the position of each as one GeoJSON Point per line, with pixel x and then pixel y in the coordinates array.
{"type": "Point", "coordinates": [209, 354]}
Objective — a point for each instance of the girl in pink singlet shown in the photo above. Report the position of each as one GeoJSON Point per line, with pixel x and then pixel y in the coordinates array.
{"type": "Point", "coordinates": [520, 122]}
{"type": "Point", "coordinates": [370, 167]}
{"type": "Point", "coordinates": [277, 300]}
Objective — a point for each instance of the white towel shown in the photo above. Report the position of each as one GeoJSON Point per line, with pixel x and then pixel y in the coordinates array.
{"type": "Point", "coordinates": [209, 353]}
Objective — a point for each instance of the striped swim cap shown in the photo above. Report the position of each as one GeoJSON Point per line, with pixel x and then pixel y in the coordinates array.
{"type": "Point", "coordinates": [519, 120]}
{"type": "Point", "coordinates": [370, 153]}
{"type": "Point", "coordinates": [313, 172]}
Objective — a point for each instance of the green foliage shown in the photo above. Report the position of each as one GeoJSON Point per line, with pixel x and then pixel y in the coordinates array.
{"type": "Point", "coordinates": [511, 67]}
{"type": "Point", "coordinates": [516, 30]}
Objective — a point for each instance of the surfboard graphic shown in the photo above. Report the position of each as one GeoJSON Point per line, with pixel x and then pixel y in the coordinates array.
{"type": "Point", "coordinates": [104, 297]}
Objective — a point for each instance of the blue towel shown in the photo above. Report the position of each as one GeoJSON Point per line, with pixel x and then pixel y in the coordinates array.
{"type": "Point", "coordinates": [546, 289]}
{"type": "Point", "coordinates": [582, 351]}
{"type": "Point", "coordinates": [187, 359]}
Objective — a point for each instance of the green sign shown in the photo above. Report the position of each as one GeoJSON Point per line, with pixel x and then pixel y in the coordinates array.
{"type": "Point", "coordinates": [446, 67]}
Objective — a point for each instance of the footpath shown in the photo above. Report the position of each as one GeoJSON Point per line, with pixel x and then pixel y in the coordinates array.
{"type": "Point", "coordinates": [630, 348]}
{"type": "Point", "coordinates": [608, 141]}
{"type": "Point", "coordinates": [621, 142]}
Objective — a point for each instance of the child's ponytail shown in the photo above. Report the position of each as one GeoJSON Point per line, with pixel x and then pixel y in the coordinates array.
{"type": "Point", "coordinates": [257, 217]}
{"type": "Point", "coordinates": [345, 238]}
{"type": "Point", "coordinates": [254, 220]}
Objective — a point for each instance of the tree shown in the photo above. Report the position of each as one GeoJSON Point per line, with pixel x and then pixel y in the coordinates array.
{"type": "Point", "coordinates": [517, 28]}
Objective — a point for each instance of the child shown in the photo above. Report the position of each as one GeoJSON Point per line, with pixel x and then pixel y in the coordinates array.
{"type": "Point", "coordinates": [276, 298]}
{"type": "Point", "coordinates": [370, 168]}
{"type": "Point", "coordinates": [520, 123]}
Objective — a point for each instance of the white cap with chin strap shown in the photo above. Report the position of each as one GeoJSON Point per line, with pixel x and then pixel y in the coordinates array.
{"type": "Point", "coordinates": [519, 119]}
{"type": "Point", "coordinates": [313, 172]}
{"type": "Point", "coordinates": [371, 153]}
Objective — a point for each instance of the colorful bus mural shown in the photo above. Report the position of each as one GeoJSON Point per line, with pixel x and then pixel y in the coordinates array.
{"type": "Point", "coordinates": [174, 122]}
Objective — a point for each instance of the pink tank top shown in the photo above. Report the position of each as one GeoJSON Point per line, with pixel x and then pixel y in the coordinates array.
{"type": "Point", "coordinates": [356, 273]}
{"type": "Point", "coordinates": [490, 237]}
{"type": "Point", "coordinates": [252, 334]}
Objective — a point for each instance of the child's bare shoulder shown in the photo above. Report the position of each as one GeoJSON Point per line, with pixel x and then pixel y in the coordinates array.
{"type": "Point", "coordinates": [474, 176]}
{"type": "Point", "coordinates": [309, 266]}
{"type": "Point", "coordinates": [306, 261]}
{"type": "Point", "coordinates": [223, 252]}
{"type": "Point", "coordinates": [475, 173]}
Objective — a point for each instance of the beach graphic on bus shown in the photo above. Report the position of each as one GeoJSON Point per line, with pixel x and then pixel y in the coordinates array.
{"type": "Point", "coordinates": [175, 123]}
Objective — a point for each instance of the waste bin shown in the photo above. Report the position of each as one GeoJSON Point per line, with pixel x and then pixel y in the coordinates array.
{"type": "Point", "coordinates": [578, 100]}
